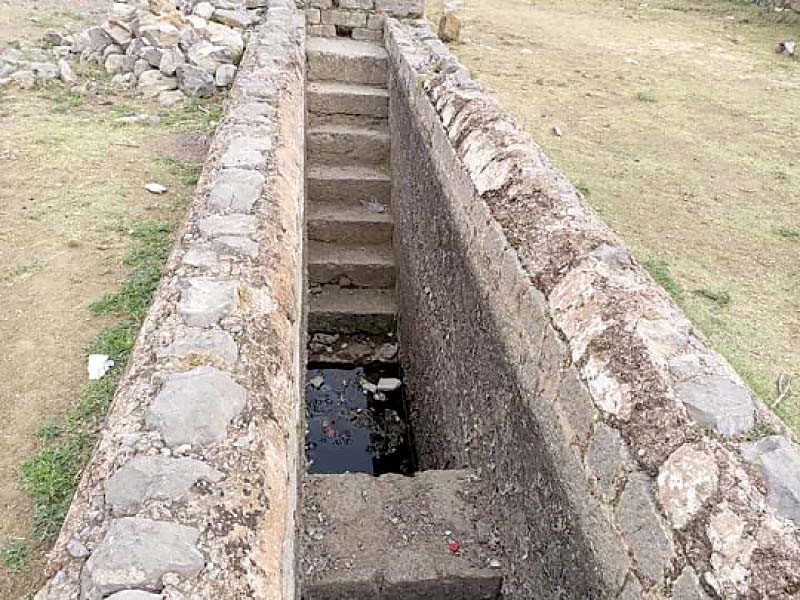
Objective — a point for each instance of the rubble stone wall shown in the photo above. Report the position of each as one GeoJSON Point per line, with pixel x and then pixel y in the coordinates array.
{"type": "Point", "coordinates": [359, 19]}
{"type": "Point", "coordinates": [191, 491]}
{"type": "Point", "coordinates": [621, 456]}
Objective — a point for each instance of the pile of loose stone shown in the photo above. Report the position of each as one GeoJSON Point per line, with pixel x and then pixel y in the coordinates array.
{"type": "Point", "coordinates": [165, 49]}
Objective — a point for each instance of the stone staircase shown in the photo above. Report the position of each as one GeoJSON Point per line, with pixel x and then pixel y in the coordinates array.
{"type": "Point", "coordinates": [350, 260]}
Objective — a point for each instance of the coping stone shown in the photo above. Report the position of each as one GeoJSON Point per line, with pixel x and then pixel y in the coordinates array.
{"type": "Point", "coordinates": [196, 407]}
{"type": "Point", "coordinates": [719, 403]}
{"type": "Point", "coordinates": [136, 553]}
{"type": "Point", "coordinates": [155, 477]}
{"type": "Point", "coordinates": [236, 190]}
{"type": "Point", "coordinates": [206, 301]}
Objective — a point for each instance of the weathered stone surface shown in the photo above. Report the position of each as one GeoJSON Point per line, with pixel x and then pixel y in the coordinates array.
{"type": "Point", "coordinates": [196, 407]}
{"type": "Point", "coordinates": [160, 35]}
{"type": "Point", "coordinates": [637, 517]}
{"type": "Point", "coordinates": [65, 72]}
{"type": "Point", "coordinates": [135, 553]}
{"type": "Point", "coordinates": [119, 63]}
{"type": "Point", "coordinates": [236, 190]}
{"type": "Point", "coordinates": [685, 482]}
{"type": "Point", "coordinates": [152, 83]}
{"type": "Point", "coordinates": [202, 257]}
{"type": "Point", "coordinates": [171, 59]}
{"type": "Point", "coordinates": [171, 98]}
{"type": "Point", "coordinates": [118, 32]}
{"type": "Point", "coordinates": [203, 10]}
{"type": "Point", "coordinates": [221, 35]}
{"type": "Point", "coordinates": [718, 403]}
{"type": "Point", "coordinates": [753, 451]}
{"type": "Point", "coordinates": [401, 8]}
{"type": "Point", "coordinates": [608, 460]}
{"type": "Point", "coordinates": [207, 56]}
{"type": "Point", "coordinates": [195, 81]}
{"type": "Point", "coordinates": [782, 472]}
{"type": "Point", "coordinates": [152, 56]}
{"type": "Point", "coordinates": [225, 75]}
{"type": "Point", "coordinates": [449, 27]}
{"type": "Point", "coordinates": [217, 225]}
{"type": "Point", "coordinates": [91, 40]}
{"type": "Point", "coordinates": [732, 549]}
{"type": "Point", "coordinates": [232, 18]}
{"type": "Point", "coordinates": [135, 595]}
{"type": "Point", "coordinates": [206, 301]}
{"type": "Point", "coordinates": [200, 343]}
{"type": "Point", "coordinates": [687, 586]}
{"type": "Point", "coordinates": [154, 478]}
{"type": "Point", "coordinates": [237, 245]}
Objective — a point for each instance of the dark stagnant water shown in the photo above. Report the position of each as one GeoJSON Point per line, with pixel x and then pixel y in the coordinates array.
{"type": "Point", "coordinates": [354, 428]}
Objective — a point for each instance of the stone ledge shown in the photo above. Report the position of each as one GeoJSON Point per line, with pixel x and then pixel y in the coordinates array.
{"type": "Point", "coordinates": [192, 488]}
{"type": "Point", "coordinates": [672, 414]}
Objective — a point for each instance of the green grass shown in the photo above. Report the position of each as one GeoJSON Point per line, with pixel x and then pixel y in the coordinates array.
{"type": "Point", "coordinates": [145, 263]}
{"type": "Point", "coordinates": [21, 270]}
{"type": "Point", "coordinates": [189, 171]}
{"type": "Point", "coordinates": [787, 233]}
{"type": "Point", "coordinates": [660, 271]}
{"type": "Point", "coordinates": [583, 188]}
{"type": "Point", "coordinates": [196, 114]}
{"type": "Point", "coordinates": [15, 554]}
{"type": "Point", "coordinates": [51, 475]}
{"type": "Point", "coordinates": [719, 297]}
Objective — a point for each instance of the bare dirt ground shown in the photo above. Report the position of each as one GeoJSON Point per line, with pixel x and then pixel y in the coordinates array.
{"type": "Point", "coordinates": [71, 184]}
{"type": "Point", "coordinates": [680, 126]}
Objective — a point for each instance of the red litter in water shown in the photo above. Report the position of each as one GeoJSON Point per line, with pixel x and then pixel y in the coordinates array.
{"type": "Point", "coordinates": [454, 546]}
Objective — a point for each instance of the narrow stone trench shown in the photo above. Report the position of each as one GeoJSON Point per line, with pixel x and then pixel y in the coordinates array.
{"type": "Point", "coordinates": [370, 526]}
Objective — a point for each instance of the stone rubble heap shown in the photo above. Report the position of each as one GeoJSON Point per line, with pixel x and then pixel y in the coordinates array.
{"type": "Point", "coordinates": [160, 50]}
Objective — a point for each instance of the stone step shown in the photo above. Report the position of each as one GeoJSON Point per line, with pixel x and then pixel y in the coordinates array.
{"type": "Point", "coordinates": [347, 223]}
{"type": "Point", "coordinates": [351, 184]}
{"type": "Point", "coordinates": [348, 145]}
{"type": "Point", "coordinates": [346, 61]}
{"type": "Point", "coordinates": [336, 98]}
{"type": "Point", "coordinates": [363, 266]}
{"type": "Point", "coordinates": [338, 310]}
{"type": "Point", "coordinates": [384, 538]}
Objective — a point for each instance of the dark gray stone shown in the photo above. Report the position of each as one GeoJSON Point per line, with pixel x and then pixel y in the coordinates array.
{"type": "Point", "coordinates": [687, 586]}
{"type": "Point", "coordinates": [206, 301]}
{"type": "Point", "coordinates": [637, 517]}
{"type": "Point", "coordinates": [236, 190]}
{"type": "Point", "coordinates": [217, 225]}
{"type": "Point", "coordinates": [199, 342]}
{"type": "Point", "coordinates": [135, 553]}
{"type": "Point", "coordinates": [194, 81]}
{"type": "Point", "coordinates": [608, 460]}
{"type": "Point", "coordinates": [155, 477]}
{"type": "Point", "coordinates": [196, 407]}
{"type": "Point", "coordinates": [718, 403]}
{"type": "Point", "coordinates": [782, 472]}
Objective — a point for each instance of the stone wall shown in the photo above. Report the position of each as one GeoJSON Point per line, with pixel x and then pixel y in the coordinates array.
{"type": "Point", "coordinates": [621, 456]}
{"type": "Point", "coordinates": [192, 489]}
{"type": "Point", "coordinates": [359, 19]}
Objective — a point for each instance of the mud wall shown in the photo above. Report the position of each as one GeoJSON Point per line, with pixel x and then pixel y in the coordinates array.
{"type": "Point", "coordinates": [358, 19]}
{"type": "Point", "coordinates": [621, 456]}
{"type": "Point", "coordinates": [192, 489]}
